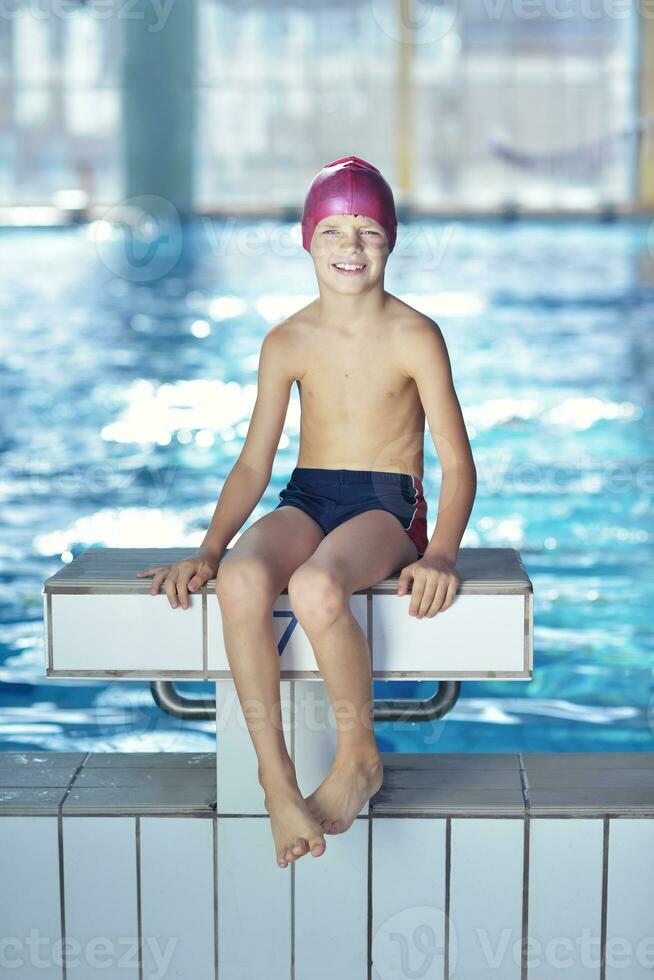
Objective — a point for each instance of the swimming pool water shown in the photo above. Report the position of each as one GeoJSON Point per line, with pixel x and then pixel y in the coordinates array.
{"type": "Point", "coordinates": [127, 383]}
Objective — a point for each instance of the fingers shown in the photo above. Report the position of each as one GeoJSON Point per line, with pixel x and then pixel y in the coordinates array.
{"type": "Point", "coordinates": [159, 572]}
{"type": "Point", "coordinates": [178, 579]}
{"type": "Point", "coordinates": [201, 576]}
{"type": "Point", "coordinates": [157, 580]}
{"type": "Point", "coordinates": [451, 593]}
{"type": "Point", "coordinates": [191, 576]}
{"type": "Point", "coordinates": [170, 588]}
{"type": "Point", "coordinates": [404, 580]}
{"type": "Point", "coordinates": [432, 592]}
{"type": "Point", "coordinates": [430, 606]}
{"type": "Point", "coordinates": [185, 573]}
{"type": "Point", "coordinates": [417, 592]}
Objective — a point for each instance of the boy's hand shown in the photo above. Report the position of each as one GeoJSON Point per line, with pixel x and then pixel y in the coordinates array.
{"type": "Point", "coordinates": [435, 582]}
{"type": "Point", "coordinates": [191, 574]}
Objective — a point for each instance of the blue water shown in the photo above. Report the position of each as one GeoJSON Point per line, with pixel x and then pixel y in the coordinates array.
{"type": "Point", "coordinates": [127, 382]}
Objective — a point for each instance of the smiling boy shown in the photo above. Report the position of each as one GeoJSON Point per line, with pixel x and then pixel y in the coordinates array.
{"type": "Point", "coordinates": [369, 368]}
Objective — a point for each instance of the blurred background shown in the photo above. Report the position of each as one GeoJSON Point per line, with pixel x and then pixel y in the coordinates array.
{"type": "Point", "coordinates": [154, 158]}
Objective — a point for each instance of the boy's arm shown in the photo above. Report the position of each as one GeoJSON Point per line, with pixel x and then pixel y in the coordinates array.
{"type": "Point", "coordinates": [250, 474]}
{"type": "Point", "coordinates": [427, 361]}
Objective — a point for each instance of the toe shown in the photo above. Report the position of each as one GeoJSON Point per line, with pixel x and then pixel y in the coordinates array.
{"type": "Point", "coordinates": [301, 846]}
{"type": "Point", "coordinates": [318, 846]}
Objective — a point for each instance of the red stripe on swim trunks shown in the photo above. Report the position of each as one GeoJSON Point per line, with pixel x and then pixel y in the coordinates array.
{"type": "Point", "coordinates": [417, 529]}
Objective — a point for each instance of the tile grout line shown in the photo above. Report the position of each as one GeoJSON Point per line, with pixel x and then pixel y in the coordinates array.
{"type": "Point", "coordinates": [293, 863]}
{"type": "Point", "coordinates": [448, 869]}
{"type": "Point", "coordinates": [139, 915]}
{"type": "Point", "coordinates": [60, 835]}
{"type": "Point", "coordinates": [524, 956]}
{"type": "Point", "coordinates": [214, 823]}
{"type": "Point", "coordinates": [72, 782]}
{"type": "Point", "coordinates": [369, 922]}
{"type": "Point", "coordinates": [208, 814]}
{"type": "Point", "coordinates": [62, 904]}
{"type": "Point", "coordinates": [605, 889]}
{"type": "Point", "coordinates": [524, 781]}
{"type": "Point", "coordinates": [524, 952]}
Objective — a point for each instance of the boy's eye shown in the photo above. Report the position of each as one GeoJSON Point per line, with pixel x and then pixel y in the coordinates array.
{"type": "Point", "coordinates": [366, 231]}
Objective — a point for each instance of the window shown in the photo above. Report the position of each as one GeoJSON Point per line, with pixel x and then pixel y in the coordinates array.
{"type": "Point", "coordinates": [59, 103]}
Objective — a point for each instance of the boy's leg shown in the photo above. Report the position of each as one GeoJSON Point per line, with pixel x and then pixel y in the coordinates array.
{"type": "Point", "coordinates": [355, 555]}
{"type": "Point", "coordinates": [249, 580]}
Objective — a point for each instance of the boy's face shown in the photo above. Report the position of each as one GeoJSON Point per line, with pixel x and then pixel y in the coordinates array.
{"type": "Point", "coordinates": [349, 239]}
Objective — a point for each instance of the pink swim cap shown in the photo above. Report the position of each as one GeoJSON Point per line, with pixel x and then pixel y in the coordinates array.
{"type": "Point", "coordinates": [349, 186]}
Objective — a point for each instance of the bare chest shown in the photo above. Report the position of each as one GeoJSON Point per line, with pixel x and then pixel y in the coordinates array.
{"type": "Point", "coordinates": [354, 380]}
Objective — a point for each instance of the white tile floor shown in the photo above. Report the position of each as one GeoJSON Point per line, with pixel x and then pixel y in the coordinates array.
{"type": "Point", "coordinates": [413, 887]}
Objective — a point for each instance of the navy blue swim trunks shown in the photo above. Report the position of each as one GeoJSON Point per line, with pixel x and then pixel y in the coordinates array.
{"type": "Point", "coordinates": [331, 497]}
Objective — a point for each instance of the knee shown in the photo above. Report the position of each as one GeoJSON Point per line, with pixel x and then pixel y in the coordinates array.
{"type": "Point", "coordinates": [317, 595]}
{"type": "Point", "coordinates": [244, 585]}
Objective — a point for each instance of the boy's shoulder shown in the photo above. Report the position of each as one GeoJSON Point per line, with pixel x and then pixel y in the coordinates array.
{"type": "Point", "coordinates": [289, 326]}
{"type": "Point", "coordinates": [411, 323]}
{"type": "Point", "coordinates": [281, 345]}
{"type": "Point", "coordinates": [418, 339]}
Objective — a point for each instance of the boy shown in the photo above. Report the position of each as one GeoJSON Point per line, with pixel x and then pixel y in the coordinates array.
{"type": "Point", "coordinates": [368, 367]}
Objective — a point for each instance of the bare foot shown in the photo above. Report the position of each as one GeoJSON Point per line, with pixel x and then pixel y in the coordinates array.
{"type": "Point", "coordinates": [342, 793]}
{"type": "Point", "coordinates": [295, 831]}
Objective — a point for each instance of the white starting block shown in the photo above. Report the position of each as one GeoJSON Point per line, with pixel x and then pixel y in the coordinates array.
{"type": "Point", "coordinates": [100, 621]}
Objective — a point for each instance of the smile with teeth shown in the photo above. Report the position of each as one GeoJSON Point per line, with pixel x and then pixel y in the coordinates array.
{"type": "Point", "coordinates": [348, 266]}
